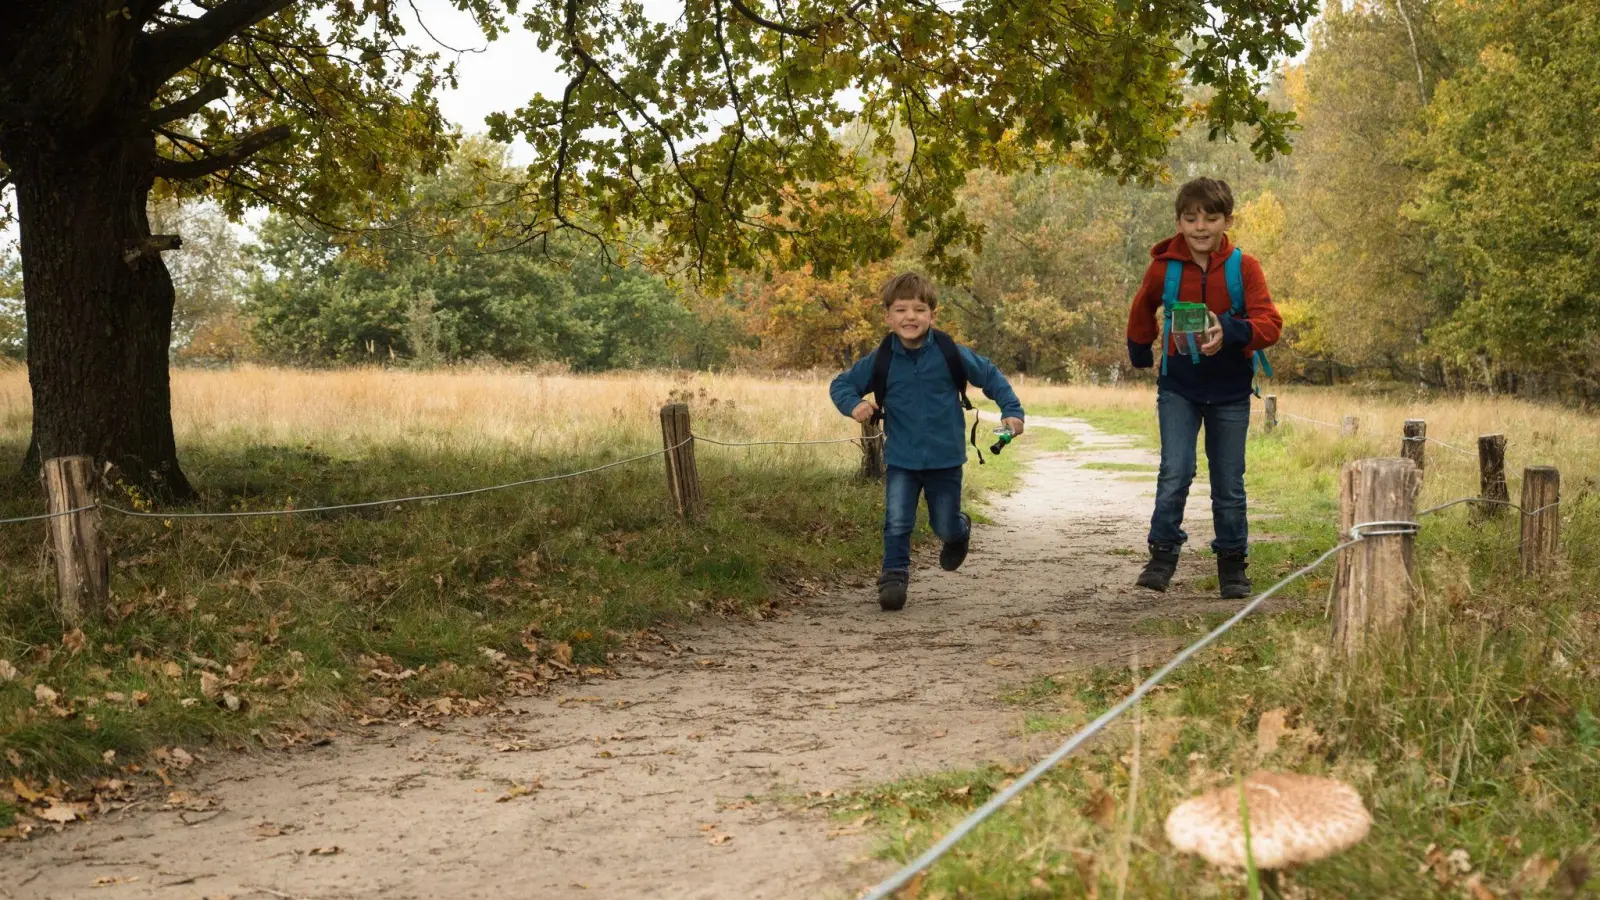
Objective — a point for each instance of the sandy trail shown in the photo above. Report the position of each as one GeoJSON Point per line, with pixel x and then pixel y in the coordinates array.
{"type": "Point", "coordinates": [673, 779]}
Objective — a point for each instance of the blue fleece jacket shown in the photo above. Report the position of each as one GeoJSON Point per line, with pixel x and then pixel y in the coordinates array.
{"type": "Point", "coordinates": [924, 426]}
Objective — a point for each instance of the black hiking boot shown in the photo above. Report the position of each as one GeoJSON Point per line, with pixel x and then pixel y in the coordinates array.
{"type": "Point", "coordinates": [1231, 580]}
{"type": "Point", "coordinates": [1158, 571]}
{"type": "Point", "coordinates": [892, 590]}
{"type": "Point", "coordinates": [955, 552]}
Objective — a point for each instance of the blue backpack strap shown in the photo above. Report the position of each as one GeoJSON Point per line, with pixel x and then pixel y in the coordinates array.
{"type": "Point", "coordinates": [1169, 297]}
{"type": "Point", "coordinates": [1233, 269]}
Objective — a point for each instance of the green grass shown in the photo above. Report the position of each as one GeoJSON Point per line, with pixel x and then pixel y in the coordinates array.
{"type": "Point", "coordinates": [1121, 467]}
{"type": "Point", "coordinates": [1478, 730]}
{"type": "Point", "coordinates": [302, 609]}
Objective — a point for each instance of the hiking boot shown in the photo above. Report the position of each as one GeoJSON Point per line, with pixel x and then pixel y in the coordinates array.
{"type": "Point", "coordinates": [955, 552]}
{"type": "Point", "coordinates": [1158, 571]}
{"type": "Point", "coordinates": [892, 590]}
{"type": "Point", "coordinates": [1231, 580]}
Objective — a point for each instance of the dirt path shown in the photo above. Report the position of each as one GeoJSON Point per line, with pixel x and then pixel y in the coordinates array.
{"type": "Point", "coordinates": [669, 780]}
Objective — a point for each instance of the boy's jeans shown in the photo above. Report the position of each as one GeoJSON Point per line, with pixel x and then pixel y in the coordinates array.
{"type": "Point", "coordinates": [1227, 425]}
{"type": "Point", "coordinates": [900, 490]}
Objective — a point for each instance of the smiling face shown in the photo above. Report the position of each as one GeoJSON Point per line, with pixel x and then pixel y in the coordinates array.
{"type": "Point", "coordinates": [910, 318]}
{"type": "Point", "coordinates": [1203, 231]}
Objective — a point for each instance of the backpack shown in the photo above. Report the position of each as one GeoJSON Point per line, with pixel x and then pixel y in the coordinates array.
{"type": "Point", "coordinates": [1233, 272]}
{"type": "Point", "coordinates": [878, 386]}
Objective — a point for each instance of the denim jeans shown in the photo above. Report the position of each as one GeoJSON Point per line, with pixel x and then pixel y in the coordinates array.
{"type": "Point", "coordinates": [900, 490]}
{"type": "Point", "coordinates": [1226, 425]}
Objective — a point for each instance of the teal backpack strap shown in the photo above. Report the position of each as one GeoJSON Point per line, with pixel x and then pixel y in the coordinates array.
{"type": "Point", "coordinates": [1233, 269]}
{"type": "Point", "coordinates": [1169, 297]}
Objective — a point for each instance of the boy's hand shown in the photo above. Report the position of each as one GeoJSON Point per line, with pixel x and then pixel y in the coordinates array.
{"type": "Point", "coordinates": [1014, 424]}
{"type": "Point", "coordinates": [864, 411]}
{"type": "Point", "coordinates": [1213, 337]}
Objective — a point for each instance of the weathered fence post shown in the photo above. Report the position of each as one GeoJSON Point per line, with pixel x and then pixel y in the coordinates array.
{"type": "Point", "coordinates": [77, 539]}
{"type": "Point", "coordinates": [683, 479]}
{"type": "Point", "coordinates": [871, 452]}
{"type": "Point", "coordinates": [1492, 476]}
{"type": "Point", "coordinates": [1349, 427]}
{"type": "Point", "coordinates": [1541, 519]}
{"type": "Point", "coordinates": [1376, 579]}
{"type": "Point", "coordinates": [1414, 445]}
{"type": "Point", "coordinates": [1271, 409]}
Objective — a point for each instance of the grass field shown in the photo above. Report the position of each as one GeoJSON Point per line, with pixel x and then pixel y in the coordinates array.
{"type": "Point", "coordinates": [386, 612]}
{"type": "Point", "coordinates": [1475, 740]}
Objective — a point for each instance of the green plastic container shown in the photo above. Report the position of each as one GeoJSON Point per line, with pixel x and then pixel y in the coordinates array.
{"type": "Point", "coordinates": [1188, 318]}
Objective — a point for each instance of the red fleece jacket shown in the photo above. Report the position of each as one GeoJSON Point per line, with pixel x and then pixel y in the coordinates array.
{"type": "Point", "coordinates": [1203, 285]}
{"type": "Point", "coordinates": [1227, 376]}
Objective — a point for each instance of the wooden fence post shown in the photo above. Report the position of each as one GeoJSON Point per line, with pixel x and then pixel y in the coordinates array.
{"type": "Point", "coordinates": [1271, 408]}
{"type": "Point", "coordinates": [1349, 427]}
{"type": "Point", "coordinates": [1492, 475]}
{"type": "Point", "coordinates": [683, 479]}
{"type": "Point", "coordinates": [1414, 445]}
{"type": "Point", "coordinates": [1541, 519]}
{"type": "Point", "coordinates": [1376, 579]}
{"type": "Point", "coordinates": [871, 452]}
{"type": "Point", "coordinates": [77, 540]}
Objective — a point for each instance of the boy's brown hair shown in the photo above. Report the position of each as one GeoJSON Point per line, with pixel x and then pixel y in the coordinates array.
{"type": "Point", "coordinates": [1208, 195]}
{"type": "Point", "coordinates": [909, 286]}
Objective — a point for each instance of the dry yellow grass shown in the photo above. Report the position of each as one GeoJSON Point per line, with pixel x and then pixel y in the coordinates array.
{"type": "Point", "coordinates": [1537, 434]}
{"type": "Point", "coordinates": [464, 410]}
{"type": "Point", "coordinates": [468, 409]}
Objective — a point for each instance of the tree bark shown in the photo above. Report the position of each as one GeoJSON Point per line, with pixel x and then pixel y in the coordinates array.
{"type": "Point", "coordinates": [99, 325]}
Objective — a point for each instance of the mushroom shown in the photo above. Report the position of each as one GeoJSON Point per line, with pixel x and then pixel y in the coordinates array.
{"type": "Point", "coordinates": [1294, 819]}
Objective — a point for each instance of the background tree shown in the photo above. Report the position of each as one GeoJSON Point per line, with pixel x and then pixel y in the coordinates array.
{"type": "Point", "coordinates": [320, 106]}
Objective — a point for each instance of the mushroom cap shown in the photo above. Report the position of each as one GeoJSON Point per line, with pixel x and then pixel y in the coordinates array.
{"type": "Point", "coordinates": [1293, 819]}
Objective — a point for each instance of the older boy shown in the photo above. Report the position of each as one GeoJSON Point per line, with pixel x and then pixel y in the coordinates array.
{"type": "Point", "coordinates": [1206, 377]}
{"type": "Point", "coordinates": [919, 377]}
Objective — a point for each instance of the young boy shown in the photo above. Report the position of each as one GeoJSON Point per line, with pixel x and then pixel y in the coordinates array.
{"type": "Point", "coordinates": [1207, 383]}
{"type": "Point", "coordinates": [924, 427]}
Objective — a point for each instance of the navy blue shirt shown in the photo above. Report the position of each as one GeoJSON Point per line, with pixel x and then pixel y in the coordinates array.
{"type": "Point", "coordinates": [924, 425]}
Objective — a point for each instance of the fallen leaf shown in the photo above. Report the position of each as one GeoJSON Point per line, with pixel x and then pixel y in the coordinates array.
{"type": "Point", "coordinates": [109, 757]}
{"type": "Point", "coordinates": [8, 672]}
{"type": "Point", "coordinates": [74, 641]}
{"type": "Point", "coordinates": [1536, 873]}
{"type": "Point", "coordinates": [326, 851]}
{"type": "Point", "coordinates": [113, 880]}
{"type": "Point", "coordinates": [232, 702]}
{"type": "Point", "coordinates": [913, 888]}
{"type": "Point", "coordinates": [717, 840]}
{"type": "Point", "coordinates": [1460, 861]}
{"type": "Point", "coordinates": [174, 670]}
{"type": "Point", "coordinates": [59, 812]}
{"type": "Point", "coordinates": [13, 757]}
{"type": "Point", "coordinates": [44, 695]}
{"type": "Point", "coordinates": [1572, 876]}
{"type": "Point", "coordinates": [1274, 723]}
{"type": "Point", "coordinates": [23, 792]}
{"type": "Point", "coordinates": [210, 686]}
{"type": "Point", "coordinates": [1101, 808]}
{"type": "Point", "coordinates": [518, 790]}
{"type": "Point", "coordinates": [181, 758]}
{"type": "Point", "coordinates": [140, 698]}
{"type": "Point", "coordinates": [1474, 888]}
{"type": "Point", "coordinates": [271, 830]}
{"type": "Point", "coordinates": [563, 653]}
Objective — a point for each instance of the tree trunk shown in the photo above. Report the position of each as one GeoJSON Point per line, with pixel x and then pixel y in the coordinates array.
{"type": "Point", "coordinates": [99, 321]}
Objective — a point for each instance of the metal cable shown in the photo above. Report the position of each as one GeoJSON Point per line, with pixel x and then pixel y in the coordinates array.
{"type": "Point", "coordinates": [1291, 415]}
{"type": "Point", "coordinates": [54, 515]}
{"type": "Point", "coordinates": [1448, 446]}
{"type": "Point", "coordinates": [398, 500]}
{"type": "Point", "coordinates": [894, 882]}
{"type": "Point", "coordinates": [851, 440]}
